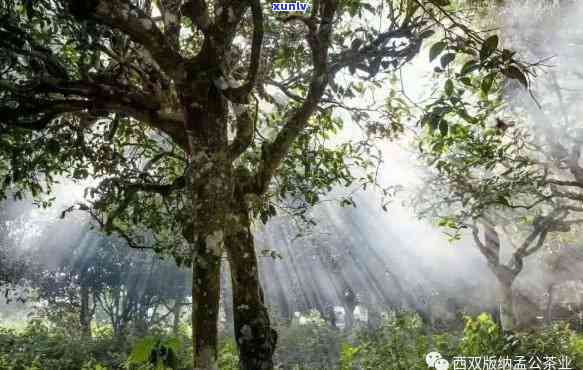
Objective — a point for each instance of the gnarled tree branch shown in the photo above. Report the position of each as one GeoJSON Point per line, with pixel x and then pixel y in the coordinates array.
{"type": "Point", "coordinates": [31, 112]}
{"type": "Point", "coordinates": [131, 20]}
{"type": "Point", "coordinates": [241, 93]}
{"type": "Point", "coordinates": [274, 152]}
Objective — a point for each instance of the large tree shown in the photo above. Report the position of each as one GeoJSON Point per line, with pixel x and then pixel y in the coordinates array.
{"type": "Point", "coordinates": [175, 106]}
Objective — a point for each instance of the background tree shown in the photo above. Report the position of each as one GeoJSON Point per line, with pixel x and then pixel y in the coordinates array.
{"type": "Point", "coordinates": [18, 265]}
{"type": "Point", "coordinates": [508, 171]}
{"type": "Point", "coordinates": [78, 273]}
{"type": "Point", "coordinates": [167, 111]}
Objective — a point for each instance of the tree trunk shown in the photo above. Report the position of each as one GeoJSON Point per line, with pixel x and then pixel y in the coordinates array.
{"type": "Point", "coordinates": [176, 313]}
{"type": "Point", "coordinates": [85, 313]}
{"type": "Point", "coordinates": [348, 317]}
{"type": "Point", "coordinates": [506, 305]}
{"type": "Point", "coordinates": [227, 298]}
{"type": "Point", "coordinates": [504, 274]}
{"type": "Point", "coordinates": [210, 185]}
{"type": "Point", "coordinates": [549, 308]}
{"type": "Point", "coordinates": [256, 339]}
{"type": "Point", "coordinates": [495, 313]}
{"type": "Point", "coordinates": [374, 318]}
{"type": "Point", "coordinates": [206, 279]}
{"type": "Point", "coordinates": [330, 315]}
{"type": "Point", "coordinates": [349, 304]}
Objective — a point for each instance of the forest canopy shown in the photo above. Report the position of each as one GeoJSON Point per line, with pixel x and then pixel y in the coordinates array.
{"type": "Point", "coordinates": [191, 123]}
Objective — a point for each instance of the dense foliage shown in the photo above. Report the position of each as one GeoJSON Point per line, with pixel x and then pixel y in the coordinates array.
{"type": "Point", "coordinates": [401, 342]}
{"type": "Point", "coordinates": [191, 121]}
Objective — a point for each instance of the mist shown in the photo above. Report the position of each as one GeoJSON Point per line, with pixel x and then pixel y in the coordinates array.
{"type": "Point", "coordinates": [337, 278]}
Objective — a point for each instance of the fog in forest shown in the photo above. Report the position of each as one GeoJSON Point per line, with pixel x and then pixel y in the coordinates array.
{"type": "Point", "coordinates": [388, 259]}
{"type": "Point", "coordinates": [349, 266]}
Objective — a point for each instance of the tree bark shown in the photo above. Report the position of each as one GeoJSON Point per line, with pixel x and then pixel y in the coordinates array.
{"type": "Point", "coordinates": [506, 305]}
{"type": "Point", "coordinates": [374, 318]}
{"type": "Point", "coordinates": [210, 182]}
{"type": "Point", "coordinates": [85, 312]}
{"type": "Point", "coordinates": [206, 271]}
{"type": "Point", "coordinates": [256, 339]}
{"type": "Point", "coordinates": [549, 308]}
{"type": "Point", "coordinates": [504, 274]}
{"type": "Point", "coordinates": [227, 299]}
{"type": "Point", "coordinates": [349, 304]}
{"type": "Point", "coordinates": [176, 314]}
{"type": "Point", "coordinates": [348, 318]}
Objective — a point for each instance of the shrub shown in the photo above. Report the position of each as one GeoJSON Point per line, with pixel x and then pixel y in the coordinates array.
{"type": "Point", "coordinates": [400, 343]}
{"type": "Point", "coordinates": [155, 352]}
{"type": "Point", "coordinates": [557, 340]}
{"type": "Point", "coordinates": [228, 355]}
{"type": "Point", "coordinates": [482, 336]}
{"type": "Point", "coordinates": [39, 347]}
{"type": "Point", "coordinates": [313, 345]}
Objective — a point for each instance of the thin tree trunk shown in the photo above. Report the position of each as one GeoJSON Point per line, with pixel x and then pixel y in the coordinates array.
{"type": "Point", "coordinates": [348, 317]}
{"type": "Point", "coordinates": [85, 314]}
{"type": "Point", "coordinates": [176, 313]}
{"type": "Point", "coordinates": [504, 274]}
{"type": "Point", "coordinates": [549, 308]}
{"type": "Point", "coordinates": [374, 318]}
{"type": "Point", "coordinates": [506, 306]}
{"type": "Point", "coordinates": [349, 303]}
{"type": "Point", "coordinates": [255, 337]}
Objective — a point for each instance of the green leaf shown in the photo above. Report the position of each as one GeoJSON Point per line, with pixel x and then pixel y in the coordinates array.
{"type": "Point", "coordinates": [432, 119]}
{"type": "Point", "coordinates": [507, 54]}
{"type": "Point", "coordinates": [426, 34]}
{"type": "Point", "coordinates": [488, 47]}
{"type": "Point", "coordinates": [264, 217]}
{"type": "Point", "coordinates": [448, 87]}
{"type": "Point", "coordinates": [466, 81]}
{"type": "Point", "coordinates": [487, 83]}
{"type": "Point", "coordinates": [469, 66]}
{"type": "Point", "coordinates": [436, 49]}
{"type": "Point", "coordinates": [465, 115]}
{"type": "Point", "coordinates": [446, 59]}
{"type": "Point", "coordinates": [441, 2]}
{"type": "Point", "coordinates": [443, 127]}
{"type": "Point", "coordinates": [516, 74]}
{"type": "Point", "coordinates": [356, 43]}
